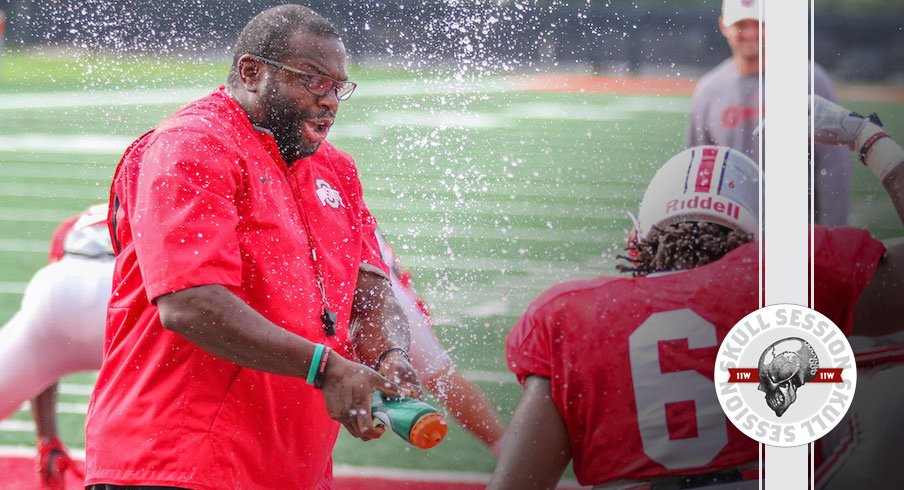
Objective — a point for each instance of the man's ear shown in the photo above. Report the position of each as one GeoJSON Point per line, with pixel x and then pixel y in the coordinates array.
{"type": "Point", "coordinates": [722, 28]}
{"type": "Point", "coordinates": [251, 73]}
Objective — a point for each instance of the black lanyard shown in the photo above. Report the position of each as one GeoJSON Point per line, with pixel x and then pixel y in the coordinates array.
{"type": "Point", "coordinates": [328, 317]}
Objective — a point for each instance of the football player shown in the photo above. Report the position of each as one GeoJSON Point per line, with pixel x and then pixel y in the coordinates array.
{"type": "Point", "coordinates": [58, 330]}
{"type": "Point", "coordinates": [861, 452]}
{"type": "Point", "coordinates": [617, 371]}
{"type": "Point", "coordinates": [63, 315]}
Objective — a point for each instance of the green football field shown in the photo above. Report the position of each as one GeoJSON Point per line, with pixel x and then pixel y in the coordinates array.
{"type": "Point", "coordinates": [489, 195]}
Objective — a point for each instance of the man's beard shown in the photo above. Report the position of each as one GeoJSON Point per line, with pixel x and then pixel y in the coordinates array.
{"type": "Point", "coordinates": [285, 124]}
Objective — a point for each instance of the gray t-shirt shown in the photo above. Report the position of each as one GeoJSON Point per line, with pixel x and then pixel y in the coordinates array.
{"type": "Point", "coordinates": [724, 112]}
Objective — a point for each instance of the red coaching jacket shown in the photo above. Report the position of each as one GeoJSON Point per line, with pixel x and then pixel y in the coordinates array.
{"type": "Point", "coordinates": [205, 198]}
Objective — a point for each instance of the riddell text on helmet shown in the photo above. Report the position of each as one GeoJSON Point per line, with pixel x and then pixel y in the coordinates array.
{"type": "Point", "coordinates": [726, 208]}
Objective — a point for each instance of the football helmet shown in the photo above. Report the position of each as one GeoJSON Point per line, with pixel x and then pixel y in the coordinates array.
{"type": "Point", "coordinates": [712, 184]}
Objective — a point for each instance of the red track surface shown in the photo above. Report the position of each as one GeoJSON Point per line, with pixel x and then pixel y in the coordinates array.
{"type": "Point", "coordinates": [609, 85]}
{"type": "Point", "coordinates": [17, 473]}
{"type": "Point", "coordinates": [681, 86]}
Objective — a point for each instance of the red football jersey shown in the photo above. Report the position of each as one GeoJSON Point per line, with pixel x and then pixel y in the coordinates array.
{"type": "Point", "coordinates": [631, 359]}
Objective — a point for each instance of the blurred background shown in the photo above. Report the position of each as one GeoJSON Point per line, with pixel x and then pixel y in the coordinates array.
{"type": "Point", "coordinates": [500, 143]}
{"type": "Point", "coordinates": [859, 40]}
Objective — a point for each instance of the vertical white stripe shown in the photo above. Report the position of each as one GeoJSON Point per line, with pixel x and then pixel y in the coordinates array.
{"type": "Point", "coordinates": [785, 164]}
{"type": "Point", "coordinates": [760, 246]}
{"type": "Point", "coordinates": [759, 456]}
{"type": "Point", "coordinates": [812, 249]}
{"type": "Point", "coordinates": [786, 203]}
{"type": "Point", "coordinates": [812, 185]}
{"type": "Point", "coordinates": [812, 142]}
{"type": "Point", "coordinates": [812, 465]}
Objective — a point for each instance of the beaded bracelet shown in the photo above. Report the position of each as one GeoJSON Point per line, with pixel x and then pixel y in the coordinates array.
{"type": "Point", "coordinates": [386, 353]}
{"type": "Point", "coordinates": [315, 364]}
{"type": "Point", "coordinates": [869, 144]}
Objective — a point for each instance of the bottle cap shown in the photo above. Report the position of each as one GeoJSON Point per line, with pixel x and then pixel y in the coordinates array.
{"type": "Point", "coordinates": [428, 431]}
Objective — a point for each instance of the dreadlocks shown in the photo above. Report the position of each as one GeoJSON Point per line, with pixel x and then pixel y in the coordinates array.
{"type": "Point", "coordinates": [682, 246]}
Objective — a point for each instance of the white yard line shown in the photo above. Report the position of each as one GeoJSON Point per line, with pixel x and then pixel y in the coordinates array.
{"type": "Point", "coordinates": [110, 98]}
{"type": "Point", "coordinates": [90, 144]}
{"type": "Point", "coordinates": [339, 470]}
{"type": "Point", "coordinates": [76, 389]}
{"type": "Point", "coordinates": [63, 407]}
{"type": "Point", "coordinates": [509, 265]}
{"type": "Point", "coordinates": [98, 191]}
{"type": "Point", "coordinates": [427, 476]}
{"type": "Point", "coordinates": [32, 214]}
{"type": "Point", "coordinates": [13, 287]}
{"type": "Point", "coordinates": [490, 376]}
{"type": "Point", "coordinates": [24, 246]}
{"type": "Point", "coordinates": [74, 172]}
{"type": "Point", "coordinates": [17, 426]}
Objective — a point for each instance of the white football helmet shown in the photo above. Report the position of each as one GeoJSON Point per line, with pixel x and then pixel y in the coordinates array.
{"type": "Point", "coordinates": [89, 236]}
{"type": "Point", "coordinates": [712, 184]}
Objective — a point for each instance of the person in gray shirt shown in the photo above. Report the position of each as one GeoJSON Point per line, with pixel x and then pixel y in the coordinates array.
{"type": "Point", "coordinates": [726, 105]}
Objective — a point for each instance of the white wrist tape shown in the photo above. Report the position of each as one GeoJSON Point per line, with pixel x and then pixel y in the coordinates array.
{"type": "Point", "coordinates": [878, 151]}
{"type": "Point", "coordinates": [883, 157]}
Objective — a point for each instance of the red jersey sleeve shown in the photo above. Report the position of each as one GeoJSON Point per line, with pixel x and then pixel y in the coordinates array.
{"type": "Point", "coordinates": [845, 260]}
{"type": "Point", "coordinates": [538, 337]}
{"type": "Point", "coordinates": [183, 216]}
{"type": "Point", "coordinates": [527, 347]}
{"type": "Point", "coordinates": [59, 238]}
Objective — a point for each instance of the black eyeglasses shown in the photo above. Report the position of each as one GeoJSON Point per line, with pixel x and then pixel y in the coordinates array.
{"type": "Point", "coordinates": [317, 84]}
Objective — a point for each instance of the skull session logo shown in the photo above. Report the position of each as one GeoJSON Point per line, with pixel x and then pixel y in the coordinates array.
{"type": "Point", "coordinates": [785, 375]}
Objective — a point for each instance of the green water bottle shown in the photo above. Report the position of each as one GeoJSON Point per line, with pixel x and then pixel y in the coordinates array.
{"type": "Point", "coordinates": [413, 420]}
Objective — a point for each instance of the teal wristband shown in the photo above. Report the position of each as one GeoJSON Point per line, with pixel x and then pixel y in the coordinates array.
{"type": "Point", "coordinates": [315, 364]}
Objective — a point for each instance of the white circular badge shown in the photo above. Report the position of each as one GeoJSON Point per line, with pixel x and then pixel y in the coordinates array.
{"type": "Point", "coordinates": [785, 375]}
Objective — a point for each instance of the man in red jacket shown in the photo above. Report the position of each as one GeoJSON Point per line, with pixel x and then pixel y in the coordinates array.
{"type": "Point", "coordinates": [251, 312]}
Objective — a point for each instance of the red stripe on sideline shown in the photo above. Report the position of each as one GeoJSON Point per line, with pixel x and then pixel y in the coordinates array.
{"type": "Point", "coordinates": [18, 473]}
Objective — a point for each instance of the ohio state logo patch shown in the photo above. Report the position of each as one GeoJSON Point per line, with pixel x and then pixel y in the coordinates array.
{"type": "Point", "coordinates": [328, 195]}
{"type": "Point", "coordinates": [785, 375]}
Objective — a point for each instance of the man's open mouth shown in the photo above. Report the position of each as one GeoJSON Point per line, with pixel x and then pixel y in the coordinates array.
{"type": "Point", "coordinates": [322, 125]}
{"type": "Point", "coordinates": [315, 130]}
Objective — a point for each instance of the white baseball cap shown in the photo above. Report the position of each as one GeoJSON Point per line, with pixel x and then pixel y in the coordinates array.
{"type": "Point", "coordinates": [712, 184]}
{"type": "Point", "coordinates": [737, 10]}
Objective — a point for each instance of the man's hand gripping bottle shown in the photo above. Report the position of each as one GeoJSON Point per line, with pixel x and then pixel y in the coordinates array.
{"type": "Point", "coordinates": [415, 421]}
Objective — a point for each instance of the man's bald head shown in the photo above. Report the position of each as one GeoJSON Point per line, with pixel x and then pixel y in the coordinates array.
{"type": "Point", "coordinates": [267, 35]}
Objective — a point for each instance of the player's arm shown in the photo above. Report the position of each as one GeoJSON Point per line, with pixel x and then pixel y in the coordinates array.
{"type": "Point", "coordinates": [53, 460]}
{"type": "Point", "coordinates": [219, 322]}
{"type": "Point", "coordinates": [880, 311]}
{"type": "Point", "coordinates": [43, 411]}
{"type": "Point", "coordinates": [536, 448]}
{"type": "Point", "coordinates": [835, 125]}
{"type": "Point", "coordinates": [379, 332]}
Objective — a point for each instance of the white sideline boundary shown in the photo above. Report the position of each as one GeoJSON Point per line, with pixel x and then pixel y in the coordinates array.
{"type": "Point", "coordinates": [340, 470]}
{"type": "Point", "coordinates": [138, 97]}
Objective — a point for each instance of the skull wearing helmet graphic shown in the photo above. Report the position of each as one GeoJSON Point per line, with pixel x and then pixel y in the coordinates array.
{"type": "Point", "coordinates": [784, 367]}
